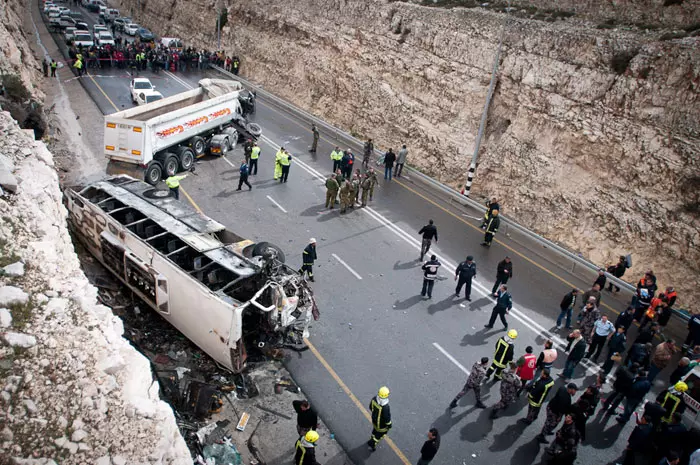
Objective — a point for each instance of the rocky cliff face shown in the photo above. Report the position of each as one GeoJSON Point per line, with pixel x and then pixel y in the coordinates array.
{"type": "Point", "coordinates": [593, 133]}
{"type": "Point", "coordinates": [16, 57]}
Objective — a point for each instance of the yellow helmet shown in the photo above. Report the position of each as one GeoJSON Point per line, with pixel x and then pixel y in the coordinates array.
{"type": "Point", "coordinates": [513, 334]}
{"type": "Point", "coordinates": [311, 436]}
{"type": "Point", "coordinates": [680, 386]}
{"type": "Point", "coordinates": [384, 392]}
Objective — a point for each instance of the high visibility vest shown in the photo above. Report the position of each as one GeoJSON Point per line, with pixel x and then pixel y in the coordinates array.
{"type": "Point", "coordinates": [278, 156]}
{"type": "Point", "coordinates": [501, 351]}
{"type": "Point", "coordinates": [336, 155]}
{"type": "Point", "coordinates": [377, 423]}
{"type": "Point", "coordinates": [54, 65]}
{"type": "Point", "coordinates": [538, 402]}
{"type": "Point", "coordinates": [255, 153]}
{"type": "Point", "coordinates": [670, 399]}
{"type": "Point", "coordinates": [174, 181]}
{"type": "Point", "coordinates": [78, 64]}
{"type": "Point", "coordinates": [285, 160]}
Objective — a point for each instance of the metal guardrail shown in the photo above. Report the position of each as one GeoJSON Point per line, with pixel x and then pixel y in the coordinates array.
{"type": "Point", "coordinates": [453, 194]}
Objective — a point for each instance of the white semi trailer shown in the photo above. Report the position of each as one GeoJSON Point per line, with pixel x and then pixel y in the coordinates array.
{"type": "Point", "coordinates": [157, 140]}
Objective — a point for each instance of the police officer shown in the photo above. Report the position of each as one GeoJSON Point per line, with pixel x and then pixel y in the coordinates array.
{"type": "Point", "coordinates": [336, 157]}
{"type": "Point", "coordinates": [366, 185]}
{"type": "Point", "coordinates": [476, 376]}
{"type": "Point", "coordinates": [381, 417]}
{"type": "Point", "coordinates": [314, 145]}
{"type": "Point", "coordinates": [465, 272]}
{"type": "Point", "coordinates": [244, 170]}
{"type": "Point", "coordinates": [503, 354]}
{"type": "Point", "coordinates": [491, 228]}
{"type": "Point", "coordinates": [173, 183]}
{"type": "Point", "coordinates": [504, 302]}
{"type": "Point", "coordinates": [54, 65]}
{"type": "Point", "coordinates": [254, 155]}
{"type": "Point", "coordinates": [308, 258]}
{"type": "Point", "coordinates": [285, 161]}
{"type": "Point", "coordinates": [672, 400]}
{"type": "Point", "coordinates": [306, 449]}
{"type": "Point", "coordinates": [510, 387]}
{"type": "Point", "coordinates": [537, 396]}
{"type": "Point", "coordinates": [331, 191]}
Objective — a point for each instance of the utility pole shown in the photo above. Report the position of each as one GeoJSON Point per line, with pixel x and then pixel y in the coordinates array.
{"type": "Point", "coordinates": [482, 124]}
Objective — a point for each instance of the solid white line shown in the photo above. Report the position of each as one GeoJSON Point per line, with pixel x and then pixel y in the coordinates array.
{"type": "Point", "coordinates": [278, 205]}
{"type": "Point", "coordinates": [451, 358]}
{"type": "Point", "coordinates": [179, 80]}
{"type": "Point", "coordinates": [346, 266]}
{"type": "Point", "coordinates": [227, 161]}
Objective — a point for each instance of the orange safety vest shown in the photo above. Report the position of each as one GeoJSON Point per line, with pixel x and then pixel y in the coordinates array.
{"type": "Point", "coordinates": [671, 295]}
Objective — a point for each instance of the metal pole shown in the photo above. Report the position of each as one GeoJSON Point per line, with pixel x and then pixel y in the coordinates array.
{"type": "Point", "coordinates": [484, 114]}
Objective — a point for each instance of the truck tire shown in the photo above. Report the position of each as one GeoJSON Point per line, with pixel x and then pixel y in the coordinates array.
{"type": "Point", "coordinates": [263, 248]}
{"type": "Point", "coordinates": [154, 173]}
{"type": "Point", "coordinates": [186, 157]}
{"type": "Point", "coordinates": [232, 134]}
{"type": "Point", "coordinates": [198, 145]}
{"type": "Point", "coordinates": [254, 129]}
{"type": "Point", "coordinates": [170, 165]}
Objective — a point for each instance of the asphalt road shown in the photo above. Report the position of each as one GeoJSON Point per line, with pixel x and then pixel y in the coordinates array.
{"type": "Point", "coordinates": [375, 329]}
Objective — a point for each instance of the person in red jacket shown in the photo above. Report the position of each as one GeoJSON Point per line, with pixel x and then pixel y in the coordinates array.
{"type": "Point", "coordinates": [526, 368]}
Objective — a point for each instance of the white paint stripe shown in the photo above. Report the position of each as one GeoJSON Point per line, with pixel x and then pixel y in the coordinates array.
{"type": "Point", "coordinates": [179, 80]}
{"type": "Point", "coordinates": [451, 358]}
{"type": "Point", "coordinates": [278, 205]}
{"type": "Point", "coordinates": [346, 266]}
{"type": "Point", "coordinates": [228, 161]}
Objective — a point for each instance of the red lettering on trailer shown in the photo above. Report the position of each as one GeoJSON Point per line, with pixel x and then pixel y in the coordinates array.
{"type": "Point", "coordinates": [195, 122]}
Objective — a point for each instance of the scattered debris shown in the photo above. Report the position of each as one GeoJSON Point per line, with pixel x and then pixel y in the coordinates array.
{"type": "Point", "coordinates": [274, 412]}
{"type": "Point", "coordinates": [243, 422]}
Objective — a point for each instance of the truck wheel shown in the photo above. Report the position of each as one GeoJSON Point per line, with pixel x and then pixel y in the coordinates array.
{"type": "Point", "coordinates": [198, 145]}
{"type": "Point", "coordinates": [154, 172]}
{"type": "Point", "coordinates": [254, 129]}
{"type": "Point", "coordinates": [262, 249]}
{"type": "Point", "coordinates": [170, 165]}
{"type": "Point", "coordinates": [186, 156]}
{"type": "Point", "coordinates": [232, 137]}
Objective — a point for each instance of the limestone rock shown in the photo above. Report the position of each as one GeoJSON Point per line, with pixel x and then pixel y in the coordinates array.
{"type": "Point", "coordinates": [13, 339]}
{"type": "Point", "coordinates": [10, 295]}
{"type": "Point", "coordinates": [5, 318]}
{"type": "Point", "coordinates": [14, 270]}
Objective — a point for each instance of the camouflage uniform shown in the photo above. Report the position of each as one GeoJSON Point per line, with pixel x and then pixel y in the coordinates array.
{"type": "Point", "coordinates": [355, 191]}
{"type": "Point", "coordinates": [372, 176]}
{"type": "Point", "coordinates": [331, 191]}
{"type": "Point", "coordinates": [551, 422]}
{"type": "Point", "coordinates": [366, 183]}
{"type": "Point", "coordinates": [345, 196]}
{"type": "Point", "coordinates": [473, 382]}
{"type": "Point", "coordinates": [510, 385]}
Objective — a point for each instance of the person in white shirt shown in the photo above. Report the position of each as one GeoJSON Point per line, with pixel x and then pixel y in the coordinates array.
{"type": "Point", "coordinates": [603, 329]}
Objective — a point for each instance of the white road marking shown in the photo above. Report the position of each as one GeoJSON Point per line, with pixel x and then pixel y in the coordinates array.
{"type": "Point", "coordinates": [346, 266]}
{"type": "Point", "coordinates": [179, 80]}
{"type": "Point", "coordinates": [227, 161]}
{"type": "Point", "coordinates": [451, 358]}
{"type": "Point", "coordinates": [278, 205]}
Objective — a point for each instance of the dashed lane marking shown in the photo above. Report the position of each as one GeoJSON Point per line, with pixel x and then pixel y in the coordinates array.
{"type": "Point", "coordinates": [278, 205]}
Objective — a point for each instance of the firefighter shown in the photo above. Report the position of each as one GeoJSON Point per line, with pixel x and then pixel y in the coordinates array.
{"type": "Point", "coordinates": [308, 258]}
{"type": "Point", "coordinates": [173, 183]}
{"type": "Point", "coordinates": [381, 417]}
{"type": "Point", "coordinates": [491, 228]}
{"type": "Point", "coordinates": [306, 449]}
{"type": "Point", "coordinates": [538, 394]}
{"type": "Point", "coordinates": [510, 388]}
{"type": "Point", "coordinates": [331, 191]}
{"type": "Point", "coordinates": [672, 400]}
{"type": "Point", "coordinates": [503, 354]}
{"type": "Point", "coordinates": [490, 207]}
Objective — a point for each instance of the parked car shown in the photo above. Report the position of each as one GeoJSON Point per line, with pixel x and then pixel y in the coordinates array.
{"type": "Point", "coordinates": [48, 6]}
{"type": "Point", "coordinates": [105, 38]}
{"type": "Point", "coordinates": [139, 85]}
{"type": "Point", "coordinates": [97, 28]}
{"type": "Point", "coordinates": [66, 21]}
{"type": "Point", "coordinates": [145, 35]}
{"type": "Point", "coordinates": [111, 14]}
{"type": "Point", "coordinates": [76, 16]}
{"type": "Point", "coordinates": [82, 27]}
{"type": "Point", "coordinates": [119, 23]}
{"type": "Point", "coordinates": [148, 96]}
{"type": "Point", "coordinates": [83, 39]}
{"type": "Point", "coordinates": [93, 8]}
{"type": "Point", "coordinates": [69, 33]}
{"type": "Point", "coordinates": [131, 28]}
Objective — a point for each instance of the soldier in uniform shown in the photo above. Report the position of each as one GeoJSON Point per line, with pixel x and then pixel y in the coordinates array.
{"type": "Point", "coordinates": [366, 184]}
{"type": "Point", "coordinates": [510, 387]}
{"type": "Point", "coordinates": [331, 191]}
{"type": "Point", "coordinates": [345, 191]}
{"type": "Point", "coordinates": [355, 188]}
{"type": "Point", "coordinates": [473, 382]}
{"type": "Point", "coordinates": [503, 354]}
{"type": "Point", "coordinates": [314, 131]}
{"type": "Point", "coordinates": [381, 417]}
{"type": "Point", "coordinates": [372, 182]}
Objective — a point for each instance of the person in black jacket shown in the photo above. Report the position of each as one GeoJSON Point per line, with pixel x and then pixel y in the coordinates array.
{"type": "Point", "coordinates": [430, 447]}
{"type": "Point", "coordinates": [567, 308]}
{"type": "Point", "coordinates": [430, 271]}
{"type": "Point", "coordinates": [381, 417]}
{"type": "Point", "coordinates": [429, 231]}
{"type": "Point", "coordinates": [577, 345]}
{"type": "Point", "coordinates": [465, 272]}
{"type": "Point", "coordinates": [624, 377]}
{"type": "Point", "coordinates": [490, 207]}
{"type": "Point", "coordinates": [640, 354]}
{"type": "Point", "coordinates": [389, 159]}
{"type": "Point", "coordinates": [504, 271]}
{"type": "Point", "coordinates": [307, 419]}
{"type": "Point", "coordinates": [557, 407]}
{"type": "Point", "coordinates": [639, 442]}
{"type": "Point", "coordinates": [491, 228]}
{"type": "Point", "coordinates": [308, 258]}
{"type": "Point", "coordinates": [647, 335]}
{"type": "Point", "coordinates": [616, 346]}
{"type": "Point", "coordinates": [625, 319]}
{"type": "Point", "coordinates": [601, 279]}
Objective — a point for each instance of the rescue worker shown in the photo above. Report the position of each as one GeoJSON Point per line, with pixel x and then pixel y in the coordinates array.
{"type": "Point", "coordinates": [247, 149]}
{"type": "Point", "coordinates": [235, 65]}
{"type": "Point", "coordinates": [503, 354]}
{"type": "Point", "coordinates": [504, 302]}
{"type": "Point", "coordinates": [332, 188]}
{"type": "Point", "coordinates": [491, 228]}
{"type": "Point", "coordinates": [366, 186]}
{"type": "Point", "coordinates": [285, 161]}
{"type": "Point", "coordinates": [367, 152]}
{"type": "Point", "coordinates": [672, 400]}
{"type": "Point", "coordinates": [243, 179]}
{"type": "Point", "coordinates": [476, 376]}
{"type": "Point", "coordinates": [557, 407]}
{"type": "Point", "coordinates": [254, 156]}
{"type": "Point", "coordinates": [345, 193]}
{"type": "Point", "coordinates": [537, 396]}
{"type": "Point", "coordinates": [510, 387]}
{"type": "Point", "coordinates": [490, 207]}
{"type": "Point", "coordinates": [78, 65]}
{"type": "Point", "coordinates": [54, 66]}
{"type": "Point", "coordinates": [308, 258]}
{"type": "Point", "coordinates": [336, 157]}
{"type": "Point", "coordinates": [314, 144]}
{"type": "Point", "coordinates": [527, 364]}
{"type": "Point", "coordinates": [430, 271]}
{"type": "Point", "coordinates": [464, 274]}
{"type": "Point", "coordinates": [173, 183]}
{"type": "Point", "coordinates": [373, 182]}
{"type": "Point", "coordinates": [278, 165]}
{"type": "Point", "coordinates": [306, 449]}
{"type": "Point", "coordinates": [381, 417]}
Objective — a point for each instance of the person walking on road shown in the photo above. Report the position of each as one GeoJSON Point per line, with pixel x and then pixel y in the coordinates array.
{"type": "Point", "coordinates": [545, 360]}
{"type": "Point", "coordinates": [336, 157]}
{"type": "Point", "coordinates": [566, 308]}
{"type": "Point", "coordinates": [285, 161]}
{"type": "Point", "coordinates": [538, 394]}
{"type": "Point", "coordinates": [557, 407]}
{"type": "Point", "coordinates": [254, 156]}
{"type": "Point", "coordinates": [243, 179]}
{"type": "Point", "coordinates": [305, 449]}
{"type": "Point", "coordinates": [577, 346]}
{"type": "Point", "coordinates": [527, 364]}
{"type": "Point", "coordinates": [616, 347]}
{"type": "Point", "coordinates": [173, 183]}
{"type": "Point", "coordinates": [618, 271]}
{"type": "Point", "coordinates": [510, 387]}
{"type": "Point", "coordinates": [661, 358]}
{"type": "Point", "coordinates": [367, 152]}
{"type": "Point", "coordinates": [366, 185]}
{"type": "Point", "coordinates": [564, 449]}
{"type": "Point", "coordinates": [308, 258]}
{"type": "Point", "coordinates": [381, 417]}
{"type": "Point", "coordinates": [400, 161]}
{"type": "Point", "coordinates": [314, 144]}
{"type": "Point", "coordinates": [624, 378]}
{"type": "Point", "coordinates": [464, 274]}
{"type": "Point", "coordinates": [589, 316]}
{"type": "Point", "coordinates": [503, 354]}
{"type": "Point", "coordinates": [601, 279]}
{"type": "Point", "coordinates": [603, 330]}
{"type": "Point", "coordinates": [639, 442]}
{"type": "Point", "coordinates": [476, 376]}
{"type": "Point", "coordinates": [430, 271]}
{"type": "Point", "coordinates": [504, 302]}
{"type": "Point", "coordinates": [430, 447]}
{"type": "Point", "coordinates": [624, 320]}
{"type": "Point", "coordinates": [307, 419]}
{"type": "Point", "coordinates": [429, 231]}
{"type": "Point", "coordinates": [504, 271]}
{"type": "Point", "coordinates": [389, 159]}
{"type": "Point", "coordinates": [491, 228]}
{"type": "Point", "coordinates": [331, 191]}
{"type": "Point", "coordinates": [54, 66]}
{"type": "Point", "coordinates": [372, 176]}
{"type": "Point", "coordinates": [640, 387]}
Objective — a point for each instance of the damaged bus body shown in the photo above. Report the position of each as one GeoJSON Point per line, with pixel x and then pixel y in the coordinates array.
{"type": "Point", "coordinates": [212, 285]}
